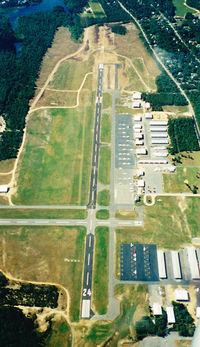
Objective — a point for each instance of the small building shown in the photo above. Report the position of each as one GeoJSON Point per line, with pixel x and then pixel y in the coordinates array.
{"type": "Point", "coordinates": [193, 264]}
{"type": "Point", "coordinates": [136, 104]}
{"type": "Point", "coordinates": [137, 126]}
{"type": "Point", "coordinates": [141, 183]}
{"type": "Point", "coordinates": [140, 172]}
{"type": "Point", "coordinates": [4, 189]}
{"type": "Point", "coordinates": [158, 123]}
{"type": "Point", "coordinates": [160, 135]}
{"type": "Point", "coordinates": [160, 141]}
{"type": "Point", "coordinates": [171, 168]}
{"type": "Point", "coordinates": [161, 264]}
{"type": "Point", "coordinates": [148, 115]}
{"type": "Point", "coordinates": [158, 129]}
{"type": "Point", "coordinates": [157, 309]}
{"type": "Point", "coordinates": [181, 295]}
{"type": "Point", "coordinates": [176, 264]}
{"type": "Point", "coordinates": [139, 142]}
{"type": "Point", "coordinates": [160, 154]}
{"type": "Point", "coordinates": [141, 151]}
{"type": "Point", "coordinates": [151, 162]}
{"type": "Point", "coordinates": [137, 118]}
{"type": "Point", "coordinates": [198, 312]}
{"type": "Point", "coordinates": [170, 315]}
{"type": "Point", "coordinates": [147, 105]}
{"type": "Point", "coordinates": [137, 96]}
{"type": "Point", "coordinates": [138, 136]}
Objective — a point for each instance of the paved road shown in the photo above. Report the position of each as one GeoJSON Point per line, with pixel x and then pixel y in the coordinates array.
{"type": "Point", "coordinates": [96, 141]}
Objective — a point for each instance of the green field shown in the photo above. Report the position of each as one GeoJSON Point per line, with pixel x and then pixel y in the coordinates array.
{"type": "Point", "coordinates": [106, 128]}
{"type": "Point", "coordinates": [103, 197]}
{"type": "Point", "coordinates": [46, 254]}
{"type": "Point", "coordinates": [59, 335]}
{"type": "Point", "coordinates": [181, 9]}
{"type": "Point", "coordinates": [107, 101]}
{"type": "Point", "coordinates": [43, 213]}
{"type": "Point", "coordinates": [70, 74]}
{"type": "Point", "coordinates": [104, 165]}
{"type": "Point", "coordinates": [174, 183]}
{"type": "Point", "coordinates": [102, 214]}
{"type": "Point", "coordinates": [55, 168]}
{"type": "Point", "coordinates": [100, 274]}
{"type": "Point", "coordinates": [94, 10]}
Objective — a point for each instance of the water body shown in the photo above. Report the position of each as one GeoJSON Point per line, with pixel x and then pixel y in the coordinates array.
{"type": "Point", "coordinates": [43, 6]}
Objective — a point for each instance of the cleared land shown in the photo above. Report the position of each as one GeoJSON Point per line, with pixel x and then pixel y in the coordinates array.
{"type": "Point", "coordinates": [103, 197]}
{"type": "Point", "coordinates": [183, 180]}
{"type": "Point", "coordinates": [181, 9]}
{"type": "Point", "coordinates": [106, 128]}
{"type": "Point", "coordinates": [102, 214]}
{"type": "Point", "coordinates": [107, 100]}
{"type": "Point", "coordinates": [183, 343]}
{"type": "Point", "coordinates": [60, 334]}
{"type": "Point", "coordinates": [43, 213]}
{"type": "Point", "coordinates": [104, 165]}
{"type": "Point", "coordinates": [134, 304]}
{"type": "Point", "coordinates": [56, 162]}
{"type": "Point", "coordinates": [46, 254]}
{"type": "Point", "coordinates": [187, 159]}
{"type": "Point", "coordinates": [123, 214]}
{"type": "Point", "coordinates": [100, 274]}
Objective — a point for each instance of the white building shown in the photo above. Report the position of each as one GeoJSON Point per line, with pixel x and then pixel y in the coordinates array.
{"type": "Point", "coordinates": [159, 154]}
{"type": "Point", "coordinates": [160, 135]}
{"type": "Point", "coordinates": [147, 105]}
{"type": "Point", "coordinates": [141, 151]}
{"type": "Point", "coordinates": [148, 115]}
{"type": "Point", "coordinates": [137, 126]}
{"type": "Point", "coordinates": [181, 295]}
{"type": "Point", "coordinates": [137, 118]}
{"type": "Point", "coordinates": [192, 260]}
{"type": "Point", "coordinates": [140, 172]}
{"type": "Point", "coordinates": [160, 141]}
{"type": "Point", "coordinates": [158, 129]}
{"type": "Point", "coordinates": [176, 264]}
{"type": "Point", "coordinates": [4, 189]}
{"type": "Point", "coordinates": [157, 309]}
{"type": "Point", "coordinates": [140, 183]}
{"type": "Point", "coordinates": [137, 96]}
{"type": "Point", "coordinates": [161, 264]}
{"type": "Point", "coordinates": [170, 315]}
{"type": "Point", "coordinates": [139, 142]}
{"type": "Point", "coordinates": [158, 123]}
{"type": "Point", "coordinates": [136, 104]}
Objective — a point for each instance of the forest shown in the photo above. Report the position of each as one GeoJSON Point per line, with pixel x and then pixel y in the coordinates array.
{"type": "Point", "coordinates": [194, 4]}
{"type": "Point", "coordinates": [182, 135]}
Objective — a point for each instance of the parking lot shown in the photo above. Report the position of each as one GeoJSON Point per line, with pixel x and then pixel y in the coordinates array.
{"type": "Point", "coordinates": [138, 262]}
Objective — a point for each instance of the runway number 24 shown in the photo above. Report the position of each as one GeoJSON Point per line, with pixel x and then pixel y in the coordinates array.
{"type": "Point", "coordinates": [86, 292]}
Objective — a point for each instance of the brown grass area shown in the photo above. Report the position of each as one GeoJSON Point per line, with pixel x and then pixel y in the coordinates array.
{"type": "Point", "coordinates": [61, 47]}
{"type": "Point", "coordinates": [6, 165]}
{"type": "Point", "coordinates": [183, 343]}
{"type": "Point", "coordinates": [52, 98]}
{"type": "Point", "coordinates": [5, 179]}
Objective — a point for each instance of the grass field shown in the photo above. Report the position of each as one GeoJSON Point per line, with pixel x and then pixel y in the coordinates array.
{"type": "Point", "coordinates": [43, 213]}
{"type": "Point", "coordinates": [187, 159]}
{"type": "Point", "coordinates": [181, 9]}
{"type": "Point", "coordinates": [107, 101]}
{"type": "Point", "coordinates": [183, 343]}
{"type": "Point", "coordinates": [104, 166]}
{"type": "Point", "coordinates": [6, 165]}
{"type": "Point", "coordinates": [97, 9]}
{"type": "Point", "coordinates": [103, 197]}
{"type": "Point", "coordinates": [71, 73]}
{"type": "Point", "coordinates": [102, 214]}
{"type": "Point", "coordinates": [174, 183]}
{"type": "Point", "coordinates": [106, 128]}
{"type": "Point", "coordinates": [53, 98]}
{"type": "Point", "coordinates": [100, 274]}
{"type": "Point", "coordinates": [134, 81]}
{"type": "Point", "coordinates": [128, 215]}
{"type": "Point", "coordinates": [134, 304]}
{"type": "Point", "coordinates": [56, 163]}
{"type": "Point", "coordinates": [60, 334]}
{"type": "Point", "coordinates": [124, 109]}
{"type": "Point", "coordinates": [44, 254]}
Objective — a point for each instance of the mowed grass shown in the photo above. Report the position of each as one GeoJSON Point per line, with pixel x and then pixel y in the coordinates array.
{"type": "Point", "coordinates": [104, 165]}
{"type": "Point", "coordinates": [106, 128]}
{"type": "Point", "coordinates": [100, 274]}
{"type": "Point", "coordinates": [174, 183]}
{"type": "Point", "coordinates": [103, 197]}
{"type": "Point", "coordinates": [43, 213]}
{"type": "Point", "coordinates": [70, 74]}
{"type": "Point", "coordinates": [55, 167]}
{"type": "Point", "coordinates": [44, 254]}
{"type": "Point", "coordinates": [107, 100]}
{"type": "Point", "coordinates": [181, 9]}
{"type": "Point", "coordinates": [102, 214]}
